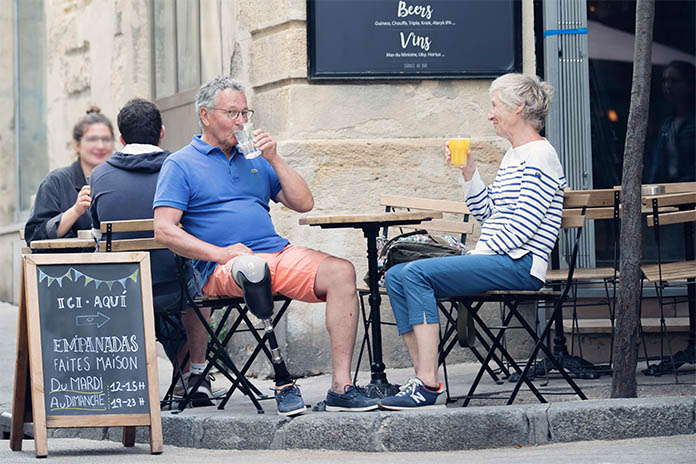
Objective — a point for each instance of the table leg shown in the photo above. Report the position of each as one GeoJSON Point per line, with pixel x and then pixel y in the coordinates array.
{"type": "Point", "coordinates": [377, 366]}
{"type": "Point", "coordinates": [380, 386]}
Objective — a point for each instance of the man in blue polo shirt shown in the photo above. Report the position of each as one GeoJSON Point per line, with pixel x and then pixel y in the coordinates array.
{"type": "Point", "coordinates": [222, 201]}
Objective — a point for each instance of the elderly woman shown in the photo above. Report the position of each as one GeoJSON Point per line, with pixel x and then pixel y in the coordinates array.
{"type": "Point", "coordinates": [520, 213]}
{"type": "Point", "coordinates": [62, 200]}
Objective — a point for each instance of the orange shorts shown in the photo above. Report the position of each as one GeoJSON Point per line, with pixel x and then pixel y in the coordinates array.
{"type": "Point", "coordinates": [293, 271]}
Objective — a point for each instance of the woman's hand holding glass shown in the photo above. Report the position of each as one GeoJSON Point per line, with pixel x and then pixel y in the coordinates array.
{"type": "Point", "coordinates": [468, 168]}
{"type": "Point", "coordinates": [83, 200]}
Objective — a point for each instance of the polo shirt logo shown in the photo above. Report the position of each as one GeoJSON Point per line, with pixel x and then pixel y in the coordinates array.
{"type": "Point", "coordinates": [254, 171]}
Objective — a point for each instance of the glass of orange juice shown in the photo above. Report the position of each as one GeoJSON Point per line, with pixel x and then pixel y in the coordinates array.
{"type": "Point", "coordinates": [459, 149]}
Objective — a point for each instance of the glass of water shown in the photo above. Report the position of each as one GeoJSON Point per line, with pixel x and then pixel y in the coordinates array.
{"type": "Point", "coordinates": [245, 141]}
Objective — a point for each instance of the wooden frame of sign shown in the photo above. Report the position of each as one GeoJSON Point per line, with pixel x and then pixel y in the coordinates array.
{"type": "Point", "coordinates": [85, 390]}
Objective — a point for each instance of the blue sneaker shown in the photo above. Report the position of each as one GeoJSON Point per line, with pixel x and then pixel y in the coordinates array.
{"type": "Point", "coordinates": [354, 399]}
{"type": "Point", "coordinates": [412, 395]}
{"type": "Point", "coordinates": [289, 400]}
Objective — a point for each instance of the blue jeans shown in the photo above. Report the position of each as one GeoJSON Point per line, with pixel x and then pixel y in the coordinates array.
{"type": "Point", "coordinates": [414, 287]}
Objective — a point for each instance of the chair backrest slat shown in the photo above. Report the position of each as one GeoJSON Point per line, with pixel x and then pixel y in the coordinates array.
{"type": "Point", "coordinates": [443, 226]}
{"type": "Point", "coordinates": [672, 199]}
{"type": "Point", "coordinates": [675, 187]}
{"type": "Point", "coordinates": [675, 217]}
{"type": "Point", "coordinates": [134, 225]}
{"type": "Point", "coordinates": [571, 222]}
{"type": "Point", "coordinates": [132, 244]}
{"type": "Point", "coordinates": [446, 206]}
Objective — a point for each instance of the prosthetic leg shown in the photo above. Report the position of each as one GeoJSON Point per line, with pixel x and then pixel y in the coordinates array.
{"type": "Point", "coordinates": [252, 275]}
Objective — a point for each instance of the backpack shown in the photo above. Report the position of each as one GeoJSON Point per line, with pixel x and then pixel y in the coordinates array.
{"type": "Point", "coordinates": [411, 246]}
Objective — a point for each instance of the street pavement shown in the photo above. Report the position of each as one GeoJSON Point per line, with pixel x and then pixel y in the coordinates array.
{"type": "Point", "coordinates": [664, 408]}
{"type": "Point", "coordinates": [675, 450]}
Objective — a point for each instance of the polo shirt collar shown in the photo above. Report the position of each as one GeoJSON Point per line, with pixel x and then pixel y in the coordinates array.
{"type": "Point", "coordinates": [207, 149]}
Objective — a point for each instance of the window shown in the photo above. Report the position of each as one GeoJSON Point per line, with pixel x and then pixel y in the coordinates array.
{"type": "Point", "coordinates": [670, 144]}
{"type": "Point", "coordinates": [187, 51]}
{"type": "Point", "coordinates": [30, 93]}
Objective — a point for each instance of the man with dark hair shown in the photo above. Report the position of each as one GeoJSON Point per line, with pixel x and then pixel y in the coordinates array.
{"type": "Point", "coordinates": [123, 188]}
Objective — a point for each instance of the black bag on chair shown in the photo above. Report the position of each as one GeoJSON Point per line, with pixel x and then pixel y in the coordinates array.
{"type": "Point", "coordinates": [411, 246]}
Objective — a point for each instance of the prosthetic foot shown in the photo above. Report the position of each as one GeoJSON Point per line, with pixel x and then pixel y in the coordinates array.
{"type": "Point", "coordinates": [252, 275]}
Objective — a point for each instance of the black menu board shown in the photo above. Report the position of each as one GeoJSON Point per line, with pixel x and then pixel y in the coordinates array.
{"type": "Point", "coordinates": [363, 39]}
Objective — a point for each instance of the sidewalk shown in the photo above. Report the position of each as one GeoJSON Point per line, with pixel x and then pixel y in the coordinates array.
{"type": "Point", "coordinates": [663, 408]}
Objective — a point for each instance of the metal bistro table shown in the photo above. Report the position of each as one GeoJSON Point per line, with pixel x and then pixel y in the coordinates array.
{"type": "Point", "coordinates": [370, 225]}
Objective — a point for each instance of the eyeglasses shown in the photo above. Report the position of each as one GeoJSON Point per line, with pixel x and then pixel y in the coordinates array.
{"type": "Point", "coordinates": [234, 114]}
{"type": "Point", "coordinates": [95, 139]}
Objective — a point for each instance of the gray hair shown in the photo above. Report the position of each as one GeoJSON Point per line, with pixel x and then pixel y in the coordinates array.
{"type": "Point", "coordinates": [208, 93]}
{"type": "Point", "coordinates": [514, 89]}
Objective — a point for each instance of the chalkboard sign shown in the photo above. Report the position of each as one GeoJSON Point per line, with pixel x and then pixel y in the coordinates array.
{"type": "Point", "coordinates": [92, 339]}
{"type": "Point", "coordinates": [349, 39]}
{"type": "Point", "coordinates": [87, 323]}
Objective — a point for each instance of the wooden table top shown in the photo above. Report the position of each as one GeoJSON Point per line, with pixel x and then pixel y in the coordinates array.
{"type": "Point", "coordinates": [360, 220]}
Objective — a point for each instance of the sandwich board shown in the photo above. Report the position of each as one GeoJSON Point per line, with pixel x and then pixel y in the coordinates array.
{"type": "Point", "coordinates": [85, 347]}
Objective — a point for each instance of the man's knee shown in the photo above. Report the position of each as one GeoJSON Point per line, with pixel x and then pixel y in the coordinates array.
{"type": "Point", "coordinates": [337, 270]}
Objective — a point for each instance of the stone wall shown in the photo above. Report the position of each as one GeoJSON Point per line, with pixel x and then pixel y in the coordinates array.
{"type": "Point", "coordinates": [98, 53]}
{"type": "Point", "coordinates": [8, 187]}
{"type": "Point", "coordinates": [352, 141]}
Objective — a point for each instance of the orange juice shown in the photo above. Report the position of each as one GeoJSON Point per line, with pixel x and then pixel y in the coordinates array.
{"type": "Point", "coordinates": [459, 149]}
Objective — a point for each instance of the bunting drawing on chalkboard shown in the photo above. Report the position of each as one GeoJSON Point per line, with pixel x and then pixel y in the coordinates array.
{"type": "Point", "coordinates": [74, 275]}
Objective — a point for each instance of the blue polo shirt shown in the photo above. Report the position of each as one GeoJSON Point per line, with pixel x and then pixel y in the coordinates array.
{"type": "Point", "coordinates": [224, 201]}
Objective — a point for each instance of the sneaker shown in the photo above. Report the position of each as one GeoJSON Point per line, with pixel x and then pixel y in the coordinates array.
{"type": "Point", "coordinates": [179, 391]}
{"type": "Point", "coordinates": [203, 395]}
{"type": "Point", "coordinates": [354, 399]}
{"type": "Point", "coordinates": [289, 400]}
{"type": "Point", "coordinates": [412, 395]}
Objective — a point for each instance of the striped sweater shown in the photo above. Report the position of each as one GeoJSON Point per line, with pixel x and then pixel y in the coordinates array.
{"type": "Point", "coordinates": [520, 211]}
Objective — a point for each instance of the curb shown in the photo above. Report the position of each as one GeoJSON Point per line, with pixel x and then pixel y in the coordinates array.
{"type": "Point", "coordinates": [434, 430]}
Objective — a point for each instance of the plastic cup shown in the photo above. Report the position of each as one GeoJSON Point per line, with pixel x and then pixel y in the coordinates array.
{"type": "Point", "coordinates": [245, 141]}
{"type": "Point", "coordinates": [459, 149]}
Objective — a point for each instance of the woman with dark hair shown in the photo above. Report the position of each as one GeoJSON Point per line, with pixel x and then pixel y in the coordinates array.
{"type": "Point", "coordinates": [674, 153]}
{"type": "Point", "coordinates": [63, 198]}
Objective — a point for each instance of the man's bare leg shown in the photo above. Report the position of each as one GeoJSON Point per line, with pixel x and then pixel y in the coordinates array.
{"type": "Point", "coordinates": [196, 335]}
{"type": "Point", "coordinates": [336, 281]}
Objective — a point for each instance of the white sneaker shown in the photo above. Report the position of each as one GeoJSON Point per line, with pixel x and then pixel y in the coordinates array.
{"type": "Point", "coordinates": [179, 390]}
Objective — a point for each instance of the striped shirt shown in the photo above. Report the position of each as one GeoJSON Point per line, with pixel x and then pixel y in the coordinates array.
{"type": "Point", "coordinates": [520, 211]}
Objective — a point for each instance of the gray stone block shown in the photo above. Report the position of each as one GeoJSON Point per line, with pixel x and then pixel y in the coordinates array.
{"type": "Point", "coordinates": [455, 429]}
{"type": "Point", "coordinates": [240, 433]}
{"type": "Point", "coordinates": [537, 418]}
{"type": "Point", "coordinates": [334, 431]}
{"type": "Point", "coordinates": [87, 433]}
{"type": "Point", "coordinates": [142, 434]}
{"type": "Point", "coordinates": [617, 419]}
{"type": "Point", "coordinates": [182, 430]}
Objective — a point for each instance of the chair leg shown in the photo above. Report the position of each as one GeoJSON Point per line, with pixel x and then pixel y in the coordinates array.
{"type": "Point", "coordinates": [540, 345]}
{"type": "Point", "coordinates": [610, 304]}
{"type": "Point", "coordinates": [648, 366]}
{"type": "Point", "coordinates": [496, 343]}
{"type": "Point", "coordinates": [575, 331]}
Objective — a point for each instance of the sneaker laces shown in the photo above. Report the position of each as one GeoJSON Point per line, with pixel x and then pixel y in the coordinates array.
{"type": "Point", "coordinates": [284, 391]}
{"type": "Point", "coordinates": [409, 387]}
